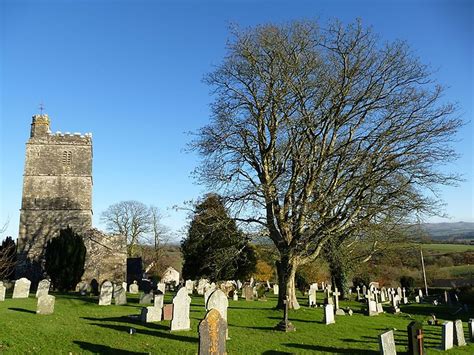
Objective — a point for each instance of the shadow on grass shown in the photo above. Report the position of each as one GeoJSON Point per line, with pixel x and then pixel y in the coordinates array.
{"type": "Point", "coordinates": [329, 349]}
{"type": "Point", "coordinates": [249, 327]}
{"type": "Point", "coordinates": [22, 310]}
{"type": "Point", "coordinates": [161, 334]}
{"type": "Point", "coordinates": [129, 320]}
{"type": "Point", "coordinates": [275, 352]}
{"type": "Point", "coordinates": [103, 349]}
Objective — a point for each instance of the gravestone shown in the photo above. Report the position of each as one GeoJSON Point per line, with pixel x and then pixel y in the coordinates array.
{"type": "Point", "coordinates": [45, 304]}
{"type": "Point", "coordinates": [212, 334]}
{"type": "Point", "coordinates": [133, 287]}
{"type": "Point", "coordinates": [312, 298]}
{"type": "Point", "coordinates": [284, 325]}
{"type": "Point", "coordinates": [105, 298]}
{"type": "Point", "coordinates": [218, 300]}
{"type": "Point", "coordinates": [387, 343]}
{"type": "Point", "coordinates": [3, 290]}
{"type": "Point", "coordinates": [447, 336]}
{"type": "Point", "coordinates": [420, 293]}
{"type": "Point", "coordinates": [415, 338]}
{"type": "Point", "coordinates": [159, 300]}
{"type": "Point", "coordinates": [248, 293]}
{"type": "Point", "coordinates": [150, 314]}
{"type": "Point", "coordinates": [382, 294]}
{"type": "Point", "coordinates": [459, 333]}
{"type": "Point", "coordinates": [470, 325]}
{"type": "Point", "coordinates": [120, 295]}
{"type": "Point", "coordinates": [404, 298]}
{"type": "Point", "coordinates": [43, 288]}
{"type": "Point", "coordinates": [235, 296]}
{"type": "Point", "coordinates": [358, 293]}
{"type": "Point", "coordinates": [394, 308]}
{"type": "Point", "coordinates": [83, 288]}
{"type": "Point", "coordinates": [167, 312]}
{"type": "Point", "coordinates": [399, 292]}
{"type": "Point", "coordinates": [364, 290]}
{"type": "Point", "coordinates": [161, 287]}
{"type": "Point", "coordinates": [275, 289]}
{"type": "Point", "coordinates": [329, 314]}
{"type": "Point", "coordinates": [181, 304]}
{"type": "Point", "coordinates": [417, 299]}
{"type": "Point", "coordinates": [146, 298]}
{"type": "Point", "coordinates": [207, 294]}
{"type": "Point", "coordinates": [328, 296]}
{"type": "Point", "coordinates": [189, 286]}
{"type": "Point", "coordinates": [22, 288]}
{"type": "Point", "coordinates": [336, 295]}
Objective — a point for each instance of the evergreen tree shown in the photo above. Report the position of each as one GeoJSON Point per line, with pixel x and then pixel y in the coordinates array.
{"type": "Point", "coordinates": [65, 258]}
{"type": "Point", "coordinates": [214, 247]}
{"type": "Point", "coordinates": [7, 258]}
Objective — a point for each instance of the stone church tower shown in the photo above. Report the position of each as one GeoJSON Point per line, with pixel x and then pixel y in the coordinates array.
{"type": "Point", "coordinates": [57, 190]}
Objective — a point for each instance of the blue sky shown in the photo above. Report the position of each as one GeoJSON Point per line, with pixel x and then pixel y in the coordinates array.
{"type": "Point", "coordinates": [130, 72]}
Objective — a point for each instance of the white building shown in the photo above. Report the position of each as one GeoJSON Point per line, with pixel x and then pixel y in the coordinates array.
{"type": "Point", "coordinates": [170, 275]}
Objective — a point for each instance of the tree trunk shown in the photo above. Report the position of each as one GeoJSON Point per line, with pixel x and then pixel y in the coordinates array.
{"type": "Point", "coordinates": [286, 270]}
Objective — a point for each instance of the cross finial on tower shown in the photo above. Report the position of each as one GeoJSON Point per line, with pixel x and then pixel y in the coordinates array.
{"type": "Point", "coordinates": [41, 108]}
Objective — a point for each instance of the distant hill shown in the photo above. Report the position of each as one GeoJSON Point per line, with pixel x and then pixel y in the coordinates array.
{"type": "Point", "coordinates": [450, 232]}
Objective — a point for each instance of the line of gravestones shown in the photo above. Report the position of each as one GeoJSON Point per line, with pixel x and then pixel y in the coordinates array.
{"type": "Point", "coordinates": [213, 328]}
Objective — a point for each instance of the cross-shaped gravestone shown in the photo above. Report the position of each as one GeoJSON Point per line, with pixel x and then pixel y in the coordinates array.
{"type": "Point", "coordinates": [358, 292]}
{"type": "Point", "coordinates": [395, 308]}
{"type": "Point", "coordinates": [336, 295]}
{"type": "Point", "coordinates": [285, 325]}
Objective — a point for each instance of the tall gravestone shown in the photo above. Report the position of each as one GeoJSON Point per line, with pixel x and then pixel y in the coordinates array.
{"type": "Point", "coordinates": [161, 287]}
{"type": "Point", "coordinates": [219, 301]}
{"type": "Point", "coordinates": [181, 305]}
{"type": "Point", "coordinates": [470, 325]}
{"type": "Point", "coordinates": [275, 289]}
{"type": "Point", "coordinates": [45, 304]}
{"type": "Point", "coordinates": [459, 333]}
{"type": "Point", "coordinates": [105, 297]}
{"type": "Point", "coordinates": [120, 294]}
{"type": "Point", "coordinates": [447, 336]}
{"type": "Point", "coordinates": [3, 290]}
{"type": "Point", "coordinates": [207, 294]}
{"type": "Point", "coordinates": [387, 343]}
{"type": "Point", "coordinates": [329, 314]}
{"type": "Point", "coordinates": [248, 293]}
{"type": "Point", "coordinates": [22, 288]}
{"type": "Point", "coordinates": [415, 338]}
{"type": "Point", "coordinates": [212, 334]}
{"type": "Point", "coordinates": [312, 298]}
{"type": "Point", "coordinates": [189, 286]}
{"type": "Point", "coordinates": [43, 288]}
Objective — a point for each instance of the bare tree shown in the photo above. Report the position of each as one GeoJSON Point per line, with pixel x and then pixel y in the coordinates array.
{"type": "Point", "coordinates": [317, 131]}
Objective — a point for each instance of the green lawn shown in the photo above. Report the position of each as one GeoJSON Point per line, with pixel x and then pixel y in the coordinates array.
{"type": "Point", "coordinates": [447, 248]}
{"type": "Point", "coordinates": [460, 270]}
{"type": "Point", "coordinates": [79, 325]}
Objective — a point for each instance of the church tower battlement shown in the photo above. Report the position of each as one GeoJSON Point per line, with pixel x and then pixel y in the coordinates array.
{"type": "Point", "coordinates": [57, 190]}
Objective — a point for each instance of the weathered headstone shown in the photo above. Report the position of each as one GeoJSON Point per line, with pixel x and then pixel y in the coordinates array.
{"type": "Point", "coordinates": [168, 312]}
{"type": "Point", "coordinates": [417, 299]}
{"type": "Point", "coordinates": [358, 293]}
{"type": "Point", "coordinates": [275, 289]}
{"type": "Point", "coordinates": [329, 314]}
{"type": "Point", "coordinates": [212, 334]}
{"type": "Point", "coordinates": [235, 296]}
{"type": "Point", "coordinates": [447, 336]}
{"type": "Point", "coordinates": [43, 288]}
{"type": "Point", "coordinates": [133, 287]}
{"type": "Point", "coordinates": [415, 338]}
{"type": "Point", "coordinates": [159, 300]}
{"type": "Point", "coordinates": [146, 298]}
{"type": "Point", "coordinates": [83, 287]}
{"type": "Point", "coordinates": [248, 293]}
{"type": "Point", "coordinates": [105, 298]}
{"type": "Point", "coordinates": [312, 298]}
{"type": "Point", "coordinates": [151, 314]}
{"type": "Point", "coordinates": [394, 308]}
{"type": "Point", "coordinates": [200, 286]}
{"type": "Point", "coordinates": [181, 304]}
{"type": "Point", "coordinates": [336, 295]}
{"type": "Point", "coordinates": [382, 294]}
{"type": "Point", "coordinates": [207, 294]}
{"type": "Point", "coordinates": [285, 325]}
{"type": "Point", "coordinates": [459, 333]}
{"type": "Point", "coordinates": [364, 290]}
{"type": "Point", "coordinates": [3, 290]}
{"type": "Point", "coordinates": [404, 298]}
{"type": "Point", "coordinates": [120, 295]}
{"type": "Point", "coordinates": [470, 325]}
{"type": "Point", "coordinates": [161, 287]}
{"type": "Point", "coordinates": [218, 300]}
{"type": "Point", "coordinates": [420, 293]}
{"type": "Point", "coordinates": [387, 343]}
{"type": "Point", "coordinates": [22, 288]}
{"type": "Point", "coordinates": [189, 286]}
{"type": "Point", "coordinates": [45, 304]}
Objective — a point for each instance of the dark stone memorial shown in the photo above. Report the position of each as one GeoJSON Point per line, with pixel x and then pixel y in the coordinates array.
{"type": "Point", "coordinates": [415, 338]}
{"type": "Point", "coordinates": [212, 334]}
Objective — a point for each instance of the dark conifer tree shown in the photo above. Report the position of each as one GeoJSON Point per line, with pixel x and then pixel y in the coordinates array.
{"type": "Point", "coordinates": [7, 258]}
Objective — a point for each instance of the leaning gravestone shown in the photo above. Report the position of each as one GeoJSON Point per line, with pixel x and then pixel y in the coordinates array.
{"type": "Point", "coordinates": [146, 298]}
{"type": "Point", "coordinates": [415, 338]}
{"type": "Point", "coordinates": [387, 343]}
{"type": "Point", "coordinates": [43, 288]}
{"type": "Point", "coordinates": [447, 336]}
{"type": "Point", "coordinates": [181, 305]}
{"type": "Point", "coordinates": [329, 314]}
{"type": "Point", "coordinates": [133, 288]}
{"type": "Point", "coordinates": [212, 334]}
{"type": "Point", "coordinates": [22, 288]}
{"type": "Point", "coordinates": [3, 290]}
{"type": "Point", "coordinates": [45, 304]}
{"type": "Point", "coordinates": [105, 298]}
{"type": "Point", "coordinates": [120, 294]}
{"type": "Point", "coordinates": [459, 333]}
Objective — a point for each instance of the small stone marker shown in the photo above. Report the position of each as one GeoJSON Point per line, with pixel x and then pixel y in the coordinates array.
{"type": "Point", "coordinates": [382, 295]}
{"type": "Point", "coordinates": [45, 304]}
{"type": "Point", "coordinates": [235, 297]}
{"type": "Point", "coordinates": [168, 312]}
{"type": "Point", "coordinates": [404, 298]}
{"type": "Point", "coordinates": [133, 287]}
{"type": "Point", "coordinates": [22, 288]}
{"type": "Point", "coordinates": [312, 298]}
{"type": "Point", "coordinates": [470, 326]}
{"type": "Point", "coordinates": [158, 301]}
{"type": "Point", "coordinates": [394, 307]}
{"type": "Point", "coordinates": [329, 314]}
{"type": "Point", "coordinates": [447, 336]}
{"type": "Point", "coordinates": [181, 304]}
{"type": "Point", "coordinates": [146, 298]}
{"type": "Point", "coordinates": [248, 293]}
{"type": "Point", "coordinates": [275, 289]}
{"type": "Point", "coordinates": [387, 343]}
{"type": "Point", "coordinates": [417, 299]}
{"type": "Point", "coordinates": [43, 288]}
{"type": "Point", "coordinates": [358, 293]}
{"type": "Point", "coordinates": [3, 290]}
{"type": "Point", "coordinates": [105, 298]}
{"type": "Point", "coordinates": [189, 286]}
{"type": "Point", "coordinates": [415, 338]}
{"type": "Point", "coordinates": [120, 295]}
{"type": "Point", "coordinates": [212, 334]}
{"type": "Point", "coordinates": [151, 314]}
{"type": "Point", "coordinates": [459, 333]}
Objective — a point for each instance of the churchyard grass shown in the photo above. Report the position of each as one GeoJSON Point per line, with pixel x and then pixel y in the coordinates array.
{"type": "Point", "coordinates": [80, 325]}
{"type": "Point", "coordinates": [447, 248]}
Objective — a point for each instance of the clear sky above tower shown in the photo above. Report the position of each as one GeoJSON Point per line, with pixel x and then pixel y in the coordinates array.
{"type": "Point", "coordinates": [130, 72]}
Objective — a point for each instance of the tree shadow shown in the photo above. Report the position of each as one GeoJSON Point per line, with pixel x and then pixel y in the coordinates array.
{"type": "Point", "coordinates": [330, 350]}
{"type": "Point", "coordinates": [104, 349]}
{"type": "Point", "coordinates": [22, 310]}
{"type": "Point", "coordinates": [276, 352]}
{"type": "Point", "coordinates": [249, 327]}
